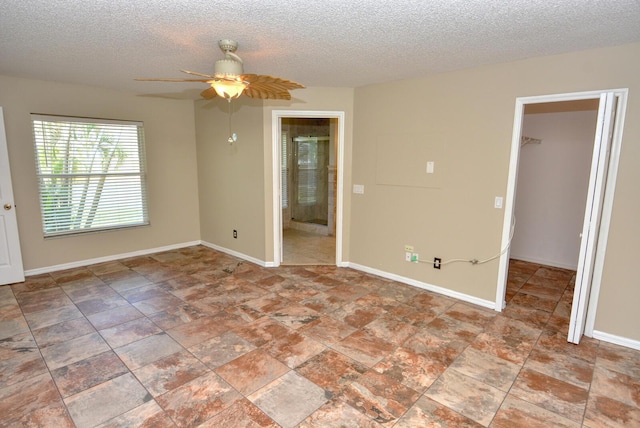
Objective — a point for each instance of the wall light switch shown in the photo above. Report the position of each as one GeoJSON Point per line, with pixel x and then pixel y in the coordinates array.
{"type": "Point", "coordinates": [498, 202]}
{"type": "Point", "coordinates": [430, 167]}
{"type": "Point", "coordinates": [358, 188]}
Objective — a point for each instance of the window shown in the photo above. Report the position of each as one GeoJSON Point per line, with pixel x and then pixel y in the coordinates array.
{"type": "Point", "coordinates": [307, 155]}
{"type": "Point", "coordinates": [91, 174]}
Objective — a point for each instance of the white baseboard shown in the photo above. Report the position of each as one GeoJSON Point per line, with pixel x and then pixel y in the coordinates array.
{"type": "Point", "coordinates": [616, 340]}
{"type": "Point", "coordinates": [114, 257]}
{"type": "Point", "coordinates": [545, 262]}
{"type": "Point", "coordinates": [238, 255]}
{"type": "Point", "coordinates": [425, 286]}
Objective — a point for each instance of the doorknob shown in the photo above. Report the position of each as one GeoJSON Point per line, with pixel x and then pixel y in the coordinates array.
{"type": "Point", "coordinates": [7, 207]}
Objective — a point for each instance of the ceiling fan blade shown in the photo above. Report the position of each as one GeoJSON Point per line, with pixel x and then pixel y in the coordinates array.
{"type": "Point", "coordinates": [154, 79]}
{"type": "Point", "coordinates": [276, 81]}
{"type": "Point", "coordinates": [195, 73]}
{"type": "Point", "coordinates": [208, 93]}
{"type": "Point", "coordinates": [269, 87]}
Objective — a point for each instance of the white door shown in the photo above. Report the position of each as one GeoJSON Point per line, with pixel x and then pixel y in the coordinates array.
{"type": "Point", "coordinates": [11, 270]}
{"type": "Point", "coordinates": [593, 210]}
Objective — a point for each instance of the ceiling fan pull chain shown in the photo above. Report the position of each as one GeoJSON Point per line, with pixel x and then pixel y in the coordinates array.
{"type": "Point", "coordinates": [232, 135]}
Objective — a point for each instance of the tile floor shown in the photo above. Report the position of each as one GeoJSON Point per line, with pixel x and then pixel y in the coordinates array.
{"type": "Point", "coordinates": [194, 337]}
{"type": "Point", "coordinates": [307, 248]}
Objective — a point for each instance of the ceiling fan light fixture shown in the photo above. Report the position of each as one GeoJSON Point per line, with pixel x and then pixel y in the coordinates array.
{"type": "Point", "coordinates": [229, 89]}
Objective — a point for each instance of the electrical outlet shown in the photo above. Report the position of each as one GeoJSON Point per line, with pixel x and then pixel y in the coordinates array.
{"type": "Point", "coordinates": [437, 263]}
{"type": "Point", "coordinates": [415, 257]}
{"type": "Point", "coordinates": [235, 234]}
{"type": "Point", "coordinates": [408, 248]}
{"type": "Point", "coordinates": [407, 256]}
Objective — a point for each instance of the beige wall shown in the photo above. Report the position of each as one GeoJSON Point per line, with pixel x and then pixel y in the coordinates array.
{"type": "Point", "coordinates": [230, 176]}
{"type": "Point", "coordinates": [463, 121]}
{"type": "Point", "coordinates": [171, 165]}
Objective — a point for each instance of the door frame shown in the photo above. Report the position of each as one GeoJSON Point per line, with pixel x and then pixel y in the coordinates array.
{"type": "Point", "coordinates": [276, 150]}
{"type": "Point", "coordinates": [607, 208]}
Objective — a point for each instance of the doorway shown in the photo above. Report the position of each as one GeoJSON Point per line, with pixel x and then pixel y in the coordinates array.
{"type": "Point", "coordinates": [308, 148]}
{"type": "Point", "coordinates": [551, 191]}
{"type": "Point", "coordinates": [593, 233]}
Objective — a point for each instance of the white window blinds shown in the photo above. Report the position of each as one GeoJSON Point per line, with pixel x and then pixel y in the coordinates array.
{"type": "Point", "coordinates": [91, 174]}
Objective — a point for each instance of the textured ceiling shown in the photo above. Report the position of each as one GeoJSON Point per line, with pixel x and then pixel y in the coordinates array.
{"type": "Point", "coordinates": [315, 42]}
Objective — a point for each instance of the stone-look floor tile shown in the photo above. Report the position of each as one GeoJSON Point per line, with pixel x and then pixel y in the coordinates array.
{"type": "Point", "coordinates": [486, 368]}
{"type": "Point", "coordinates": [561, 366]}
{"type": "Point", "coordinates": [535, 302]}
{"type": "Point", "coordinates": [221, 349]}
{"type": "Point", "coordinates": [293, 349]}
{"type": "Point", "coordinates": [268, 303]}
{"type": "Point", "coordinates": [71, 351]}
{"type": "Point", "coordinates": [38, 301]}
{"type": "Point", "coordinates": [467, 396]}
{"type": "Point", "coordinates": [198, 400]}
{"type": "Point", "coordinates": [113, 317]}
{"type": "Point", "coordinates": [618, 359]}
{"type": "Point", "coordinates": [125, 280]}
{"type": "Point", "coordinates": [323, 302]}
{"type": "Point", "coordinates": [507, 338]}
{"type": "Point", "coordinates": [470, 314]}
{"type": "Point", "coordinates": [176, 316]}
{"type": "Point", "coordinates": [327, 330]}
{"type": "Point", "coordinates": [13, 322]}
{"type": "Point", "coordinates": [157, 304]}
{"type": "Point", "coordinates": [337, 413]}
{"type": "Point", "coordinates": [374, 299]}
{"type": "Point", "coordinates": [62, 332]}
{"type": "Point", "coordinates": [289, 399]}
{"type": "Point", "coordinates": [609, 413]}
{"type": "Point", "coordinates": [261, 331]}
{"type": "Point", "coordinates": [412, 315]}
{"type": "Point", "coordinates": [435, 348]}
{"type": "Point", "coordinates": [518, 413]}
{"type": "Point", "coordinates": [37, 320]}
{"type": "Point", "coordinates": [144, 292]}
{"type": "Point", "coordinates": [170, 372]}
{"type": "Point", "coordinates": [449, 328]}
{"type": "Point", "coordinates": [431, 302]}
{"type": "Point", "coordinates": [148, 415]}
{"type": "Point", "coordinates": [130, 331]}
{"type": "Point", "coordinates": [295, 315]}
{"type": "Point", "coordinates": [106, 401]}
{"type": "Point", "coordinates": [198, 330]}
{"type": "Point", "coordinates": [22, 366]}
{"type": "Point", "coordinates": [617, 386]}
{"type": "Point", "coordinates": [252, 371]}
{"type": "Point", "coordinates": [331, 370]}
{"type": "Point", "coordinates": [15, 346]}
{"type": "Point", "coordinates": [87, 373]}
{"type": "Point", "coordinates": [106, 268]}
{"type": "Point", "coordinates": [243, 414]}
{"type": "Point", "coordinates": [428, 413]}
{"type": "Point", "coordinates": [147, 350]}
{"type": "Point", "coordinates": [82, 292]}
{"type": "Point", "coordinates": [414, 370]}
{"type": "Point", "coordinates": [391, 330]}
{"type": "Point", "coordinates": [379, 397]}
{"type": "Point", "coordinates": [534, 317]}
{"type": "Point", "coordinates": [364, 347]}
{"type": "Point", "coordinates": [557, 342]}
{"type": "Point", "coordinates": [357, 315]}
{"type": "Point", "coordinates": [100, 304]}
{"type": "Point", "coordinates": [550, 393]}
{"type": "Point", "coordinates": [34, 402]}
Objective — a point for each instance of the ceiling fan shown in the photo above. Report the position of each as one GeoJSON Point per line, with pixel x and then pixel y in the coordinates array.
{"type": "Point", "coordinates": [229, 80]}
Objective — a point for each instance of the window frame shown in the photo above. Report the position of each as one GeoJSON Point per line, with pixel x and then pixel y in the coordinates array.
{"type": "Point", "coordinates": [123, 193]}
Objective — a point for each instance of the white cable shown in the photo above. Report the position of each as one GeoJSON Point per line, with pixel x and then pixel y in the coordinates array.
{"type": "Point", "coordinates": [476, 261]}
